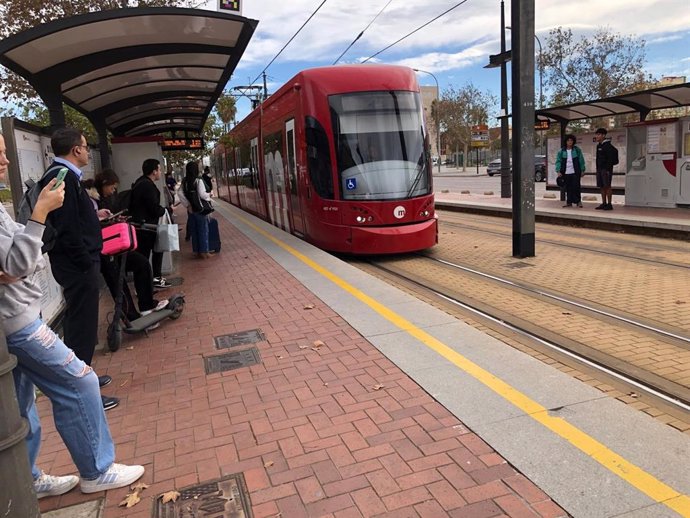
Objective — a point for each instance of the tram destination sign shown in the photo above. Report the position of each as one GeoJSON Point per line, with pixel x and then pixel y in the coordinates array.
{"type": "Point", "coordinates": [181, 144]}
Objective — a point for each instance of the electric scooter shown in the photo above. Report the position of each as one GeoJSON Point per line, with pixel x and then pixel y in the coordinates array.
{"type": "Point", "coordinates": [121, 323]}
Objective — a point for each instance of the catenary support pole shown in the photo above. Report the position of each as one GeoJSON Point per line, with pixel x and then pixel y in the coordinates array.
{"type": "Point", "coordinates": [17, 497]}
{"type": "Point", "coordinates": [505, 144]}
{"type": "Point", "coordinates": [522, 17]}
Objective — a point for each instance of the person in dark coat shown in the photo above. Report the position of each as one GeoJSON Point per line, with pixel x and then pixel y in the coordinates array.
{"type": "Point", "coordinates": [607, 157]}
{"type": "Point", "coordinates": [75, 259]}
{"type": "Point", "coordinates": [145, 207]}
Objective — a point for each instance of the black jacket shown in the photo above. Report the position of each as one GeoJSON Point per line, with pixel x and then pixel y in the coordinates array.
{"type": "Point", "coordinates": [606, 156]}
{"type": "Point", "coordinates": [145, 202]}
{"type": "Point", "coordinates": [79, 242]}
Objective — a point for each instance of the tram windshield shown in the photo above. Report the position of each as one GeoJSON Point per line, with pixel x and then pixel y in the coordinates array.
{"type": "Point", "coordinates": [380, 144]}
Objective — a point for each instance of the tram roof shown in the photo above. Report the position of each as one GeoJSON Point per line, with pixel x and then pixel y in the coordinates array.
{"type": "Point", "coordinates": [141, 71]}
{"type": "Point", "coordinates": [642, 102]}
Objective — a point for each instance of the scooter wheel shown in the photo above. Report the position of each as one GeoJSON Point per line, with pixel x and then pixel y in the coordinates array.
{"type": "Point", "coordinates": [114, 337]}
{"type": "Point", "coordinates": [178, 307]}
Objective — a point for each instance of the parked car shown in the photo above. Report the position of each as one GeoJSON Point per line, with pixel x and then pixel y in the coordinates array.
{"type": "Point", "coordinates": [3, 186]}
{"type": "Point", "coordinates": [494, 167]}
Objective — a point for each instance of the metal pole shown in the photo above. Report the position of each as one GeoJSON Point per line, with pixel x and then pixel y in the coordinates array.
{"type": "Point", "coordinates": [438, 122]}
{"type": "Point", "coordinates": [541, 92]}
{"type": "Point", "coordinates": [522, 16]}
{"type": "Point", "coordinates": [505, 149]}
{"type": "Point", "coordinates": [17, 497]}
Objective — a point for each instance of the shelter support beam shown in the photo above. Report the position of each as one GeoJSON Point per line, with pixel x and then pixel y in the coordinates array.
{"type": "Point", "coordinates": [522, 18]}
{"type": "Point", "coordinates": [103, 144]}
{"type": "Point", "coordinates": [56, 111]}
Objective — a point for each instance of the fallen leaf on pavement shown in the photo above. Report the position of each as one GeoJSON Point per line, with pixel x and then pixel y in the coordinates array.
{"type": "Point", "coordinates": [318, 343]}
{"type": "Point", "coordinates": [309, 306]}
{"type": "Point", "coordinates": [130, 500]}
{"type": "Point", "coordinates": [139, 487]}
{"type": "Point", "coordinates": [377, 387]}
{"type": "Point", "coordinates": [304, 347]}
{"type": "Point", "coordinates": [268, 464]}
{"type": "Point", "coordinates": [170, 496]}
{"type": "Point", "coordinates": [130, 348]}
{"type": "Point", "coordinates": [124, 383]}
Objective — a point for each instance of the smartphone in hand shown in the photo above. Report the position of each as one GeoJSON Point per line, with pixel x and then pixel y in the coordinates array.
{"type": "Point", "coordinates": [60, 178]}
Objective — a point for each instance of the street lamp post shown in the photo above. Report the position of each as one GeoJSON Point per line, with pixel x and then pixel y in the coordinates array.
{"type": "Point", "coordinates": [438, 123]}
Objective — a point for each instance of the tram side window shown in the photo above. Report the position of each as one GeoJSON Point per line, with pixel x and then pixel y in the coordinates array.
{"type": "Point", "coordinates": [319, 158]}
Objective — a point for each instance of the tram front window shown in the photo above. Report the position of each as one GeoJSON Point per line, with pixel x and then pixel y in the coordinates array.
{"type": "Point", "coordinates": [380, 144]}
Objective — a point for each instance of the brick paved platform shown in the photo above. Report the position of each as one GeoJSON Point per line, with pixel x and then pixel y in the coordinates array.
{"type": "Point", "coordinates": [336, 430]}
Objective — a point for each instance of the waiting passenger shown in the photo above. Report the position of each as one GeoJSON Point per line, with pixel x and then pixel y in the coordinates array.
{"type": "Point", "coordinates": [193, 192]}
{"type": "Point", "coordinates": [570, 163]}
{"type": "Point", "coordinates": [44, 361]}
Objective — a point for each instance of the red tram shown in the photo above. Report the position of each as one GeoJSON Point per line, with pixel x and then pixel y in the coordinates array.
{"type": "Point", "coordinates": [338, 156]}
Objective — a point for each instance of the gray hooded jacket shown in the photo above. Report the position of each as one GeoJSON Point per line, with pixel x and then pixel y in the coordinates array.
{"type": "Point", "coordinates": [20, 257]}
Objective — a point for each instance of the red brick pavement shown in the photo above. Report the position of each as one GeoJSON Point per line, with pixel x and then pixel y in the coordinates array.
{"type": "Point", "coordinates": [308, 428]}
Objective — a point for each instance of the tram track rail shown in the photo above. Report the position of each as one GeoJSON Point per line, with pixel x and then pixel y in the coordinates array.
{"type": "Point", "coordinates": [604, 248]}
{"type": "Point", "coordinates": [671, 396]}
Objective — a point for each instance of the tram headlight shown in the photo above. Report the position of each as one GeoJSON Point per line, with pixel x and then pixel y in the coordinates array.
{"type": "Point", "coordinates": [360, 219]}
{"type": "Point", "coordinates": [424, 213]}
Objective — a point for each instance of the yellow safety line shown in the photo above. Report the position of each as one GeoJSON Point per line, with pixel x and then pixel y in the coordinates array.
{"type": "Point", "coordinates": [637, 477]}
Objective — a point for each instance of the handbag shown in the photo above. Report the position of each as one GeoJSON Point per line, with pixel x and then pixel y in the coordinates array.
{"type": "Point", "coordinates": [167, 235]}
{"type": "Point", "coordinates": [560, 181]}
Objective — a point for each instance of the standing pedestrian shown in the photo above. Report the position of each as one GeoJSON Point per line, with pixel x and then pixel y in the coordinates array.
{"type": "Point", "coordinates": [75, 258]}
{"type": "Point", "coordinates": [44, 361]}
{"type": "Point", "coordinates": [570, 163]}
{"type": "Point", "coordinates": [607, 157]}
{"type": "Point", "coordinates": [145, 207]}
{"type": "Point", "coordinates": [193, 191]}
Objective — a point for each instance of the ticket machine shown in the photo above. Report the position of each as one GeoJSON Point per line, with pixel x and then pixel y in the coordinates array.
{"type": "Point", "coordinates": [654, 157]}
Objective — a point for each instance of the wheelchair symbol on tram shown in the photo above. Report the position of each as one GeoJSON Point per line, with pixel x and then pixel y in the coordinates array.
{"type": "Point", "coordinates": [351, 184]}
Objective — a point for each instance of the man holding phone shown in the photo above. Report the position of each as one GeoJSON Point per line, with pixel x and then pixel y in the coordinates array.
{"type": "Point", "coordinates": [75, 258]}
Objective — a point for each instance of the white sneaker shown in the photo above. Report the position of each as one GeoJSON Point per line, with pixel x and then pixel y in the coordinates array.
{"type": "Point", "coordinates": [118, 475]}
{"type": "Point", "coordinates": [49, 485]}
{"type": "Point", "coordinates": [161, 305]}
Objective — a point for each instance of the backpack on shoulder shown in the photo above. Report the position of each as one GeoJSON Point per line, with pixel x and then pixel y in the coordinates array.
{"type": "Point", "coordinates": [614, 154]}
{"type": "Point", "coordinates": [27, 205]}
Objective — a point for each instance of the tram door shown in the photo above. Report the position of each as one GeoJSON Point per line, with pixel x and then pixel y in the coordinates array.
{"type": "Point", "coordinates": [291, 172]}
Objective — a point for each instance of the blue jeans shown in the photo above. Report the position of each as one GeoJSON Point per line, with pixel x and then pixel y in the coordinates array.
{"type": "Point", "coordinates": [72, 387]}
{"type": "Point", "coordinates": [199, 225]}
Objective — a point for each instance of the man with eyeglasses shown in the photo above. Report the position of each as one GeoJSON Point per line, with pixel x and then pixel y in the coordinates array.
{"type": "Point", "coordinates": [75, 258]}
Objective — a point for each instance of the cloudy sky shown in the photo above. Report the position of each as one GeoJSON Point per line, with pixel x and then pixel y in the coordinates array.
{"type": "Point", "coordinates": [454, 47]}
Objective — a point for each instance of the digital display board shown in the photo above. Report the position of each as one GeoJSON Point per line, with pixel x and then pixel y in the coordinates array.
{"type": "Point", "coordinates": [180, 144]}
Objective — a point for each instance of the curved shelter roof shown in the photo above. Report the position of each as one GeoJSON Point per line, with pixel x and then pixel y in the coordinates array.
{"type": "Point", "coordinates": [643, 102]}
{"type": "Point", "coordinates": [138, 71]}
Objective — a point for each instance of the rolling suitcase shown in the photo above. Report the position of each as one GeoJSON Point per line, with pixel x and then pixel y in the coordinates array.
{"type": "Point", "coordinates": [118, 238]}
{"type": "Point", "coordinates": [213, 235]}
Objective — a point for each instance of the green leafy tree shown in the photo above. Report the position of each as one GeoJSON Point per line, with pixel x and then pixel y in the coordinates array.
{"type": "Point", "coordinates": [226, 107]}
{"type": "Point", "coordinates": [458, 110]}
{"type": "Point", "coordinates": [592, 67]}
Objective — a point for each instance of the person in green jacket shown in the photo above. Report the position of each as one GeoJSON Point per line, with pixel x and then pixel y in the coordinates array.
{"type": "Point", "coordinates": [570, 163]}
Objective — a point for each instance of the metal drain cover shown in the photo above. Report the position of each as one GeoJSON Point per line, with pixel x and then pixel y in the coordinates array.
{"type": "Point", "coordinates": [232, 360]}
{"type": "Point", "coordinates": [226, 497]}
{"type": "Point", "coordinates": [519, 265]}
{"type": "Point", "coordinates": [241, 338]}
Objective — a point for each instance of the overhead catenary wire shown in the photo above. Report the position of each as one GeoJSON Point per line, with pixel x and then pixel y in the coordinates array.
{"type": "Point", "coordinates": [289, 41]}
{"type": "Point", "coordinates": [362, 33]}
{"type": "Point", "coordinates": [416, 30]}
